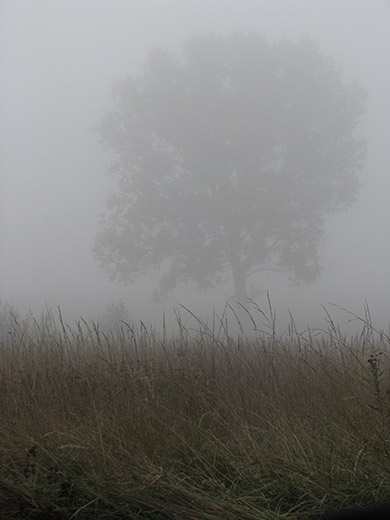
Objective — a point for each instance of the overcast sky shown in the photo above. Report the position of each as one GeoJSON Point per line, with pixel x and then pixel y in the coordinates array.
{"type": "Point", "coordinates": [59, 59]}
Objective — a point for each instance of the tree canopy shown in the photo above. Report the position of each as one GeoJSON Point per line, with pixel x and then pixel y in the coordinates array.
{"type": "Point", "coordinates": [228, 157]}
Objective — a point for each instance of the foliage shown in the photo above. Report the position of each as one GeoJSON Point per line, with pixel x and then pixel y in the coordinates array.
{"type": "Point", "coordinates": [113, 316]}
{"type": "Point", "coordinates": [228, 158]}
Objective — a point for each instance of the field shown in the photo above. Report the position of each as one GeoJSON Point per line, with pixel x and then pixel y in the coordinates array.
{"type": "Point", "coordinates": [199, 426]}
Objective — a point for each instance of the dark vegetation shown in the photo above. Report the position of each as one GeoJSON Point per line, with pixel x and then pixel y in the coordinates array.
{"type": "Point", "coordinates": [139, 425]}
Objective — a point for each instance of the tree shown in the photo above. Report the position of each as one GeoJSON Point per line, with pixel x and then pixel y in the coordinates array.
{"type": "Point", "coordinates": [114, 316]}
{"type": "Point", "coordinates": [228, 158]}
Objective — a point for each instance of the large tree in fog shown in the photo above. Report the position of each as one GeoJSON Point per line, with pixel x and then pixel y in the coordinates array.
{"type": "Point", "coordinates": [228, 157]}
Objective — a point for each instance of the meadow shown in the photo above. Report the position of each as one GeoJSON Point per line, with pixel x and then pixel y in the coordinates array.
{"type": "Point", "coordinates": [199, 425]}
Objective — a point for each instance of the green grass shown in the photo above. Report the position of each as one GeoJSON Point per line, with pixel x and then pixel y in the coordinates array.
{"type": "Point", "coordinates": [136, 425]}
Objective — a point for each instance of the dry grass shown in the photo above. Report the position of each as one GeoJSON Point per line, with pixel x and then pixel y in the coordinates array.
{"type": "Point", "coordinates": [198, 426]}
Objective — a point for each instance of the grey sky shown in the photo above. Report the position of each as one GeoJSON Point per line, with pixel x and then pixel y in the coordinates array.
{"type": "Point", "coordinates": [59, 59]}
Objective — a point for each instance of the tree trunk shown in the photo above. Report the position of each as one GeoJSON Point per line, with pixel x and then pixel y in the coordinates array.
{"type": "Point", "coordinates": [239, 284]}
{"type": "Point", "coordinates": [239, 280]}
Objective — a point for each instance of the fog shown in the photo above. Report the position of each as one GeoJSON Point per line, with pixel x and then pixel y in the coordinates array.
{"type": "Point", "coordinates": [60, 61]}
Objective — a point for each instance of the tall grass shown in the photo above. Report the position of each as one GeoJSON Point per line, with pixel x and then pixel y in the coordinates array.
{"type": "Point", "coordinates": [139, 425]}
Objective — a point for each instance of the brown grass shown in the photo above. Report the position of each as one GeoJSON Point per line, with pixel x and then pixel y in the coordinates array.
{"type": "Point", "coordinates": [198, 426]}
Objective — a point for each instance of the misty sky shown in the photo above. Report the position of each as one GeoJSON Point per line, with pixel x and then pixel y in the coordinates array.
{"type": "Point", "coordinates": [59, 59]}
